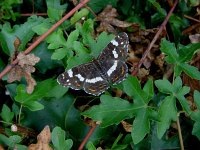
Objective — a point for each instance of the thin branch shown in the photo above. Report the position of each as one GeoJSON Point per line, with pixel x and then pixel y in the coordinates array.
{"type": "Point", "coordinates": [179, 132]}
{"type": "Point", "coordinates": [42, 37]}
{"type": "Point", "coordinates": [154, 39]}
{"type": "Point", "coordinates": [87, 137]}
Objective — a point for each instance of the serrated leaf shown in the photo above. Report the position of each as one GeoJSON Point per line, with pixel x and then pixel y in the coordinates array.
{"type": "Point", "coordinates": [133, 89]}
{"type": "Point", "coordinates": [29, 100]}
{"type": "Point", "coordinates": [166, 116]}
{"type": "Point", "coordinates": [10, 141]}
{"type": "Point", "coordinates": [73, 36]}
{"type": "Point", "coordinates": [180, 95]}
{"type": "Point", "coordinates": [23, 32]}
{"type": "Point", "coordinates": [177, 85]}
{"type": "Point", "coordinates": [141, 126]}
{"type": "Point", "coordinates": [59, 54]}
{"type": "Point", "coordinates": [148, 88]}
{"type": "Point", "coordinates": [102, 41]}
{"type": "Point", "coordinates": [81, 56]}
{"type": "Point", "coordinates": [110, 111]}
{"type": "Point", "coordinates": [55, 10]}
{"type": "Point", "coordinates": [187, 52]}
{"type": "Point", "coordinates": [196, 130]}
{"type": "Point", "coordinates": [164, 86]}
{"type": "Point", "coordinates": [58, 139]}
{"type": "Point", "coordinates": [191, 71]}
{"type": "Point", "coordinates": [169, 49]}
{"type": "Point", "coordinates": [78, 15]}
{"type": "Point", "coordinates": [6, 114]}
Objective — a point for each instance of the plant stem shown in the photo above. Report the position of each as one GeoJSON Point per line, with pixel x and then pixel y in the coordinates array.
{"type": "Point", "coordinates": [179, 132]}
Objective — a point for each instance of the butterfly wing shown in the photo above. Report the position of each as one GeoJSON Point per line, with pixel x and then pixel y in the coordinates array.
{"type": "Point", "coordinates": [75, 77]}
{"type": "Point", "coordinates": [85, 76]}
{"type": "Point", "coordinates": [112, 59]}
{"type": "Point", "coordinates": [117, 49]}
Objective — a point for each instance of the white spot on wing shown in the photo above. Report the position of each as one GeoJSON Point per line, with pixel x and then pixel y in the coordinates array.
{"type": "Point", "coordinates": [114, 42]}
{"type": "Point", "coordinates": [115, 53]}
{"type": "Point", "coordinates": [94, 80]}
{"type": "Point", "coordinates": [80, 77]}
{"type": "Point", "coordinates": [113, 68]}
{"type": "Point", "coordinates": [70, 73]}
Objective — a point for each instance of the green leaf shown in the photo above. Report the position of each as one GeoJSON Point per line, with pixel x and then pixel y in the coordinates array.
{"type": "Point", "coordinates": [166, 116]}
{"type": "Point", "coordinates": [55, 10]}
{"type": "Point", "coordinates": [170, 50]}
{"type": "Point", "coordinates": [141, 126]}
{"type": "Point", "coordinates": [90, 146]}
{"type": "Point", "coordinates": [73, 36]}
{"type": "Point", "coordinates": [148, 88]}
{"type": "Point", "coordinates": [6, 114]}
{"type": "Point", "coordinates": [10, 141]}
{"type": "Point", "coordinates": [180, 95]}
{"type": "Point", "coordinates": [78, 15]}
{"type": "Point", "coordinates": [195, 114]}
{"type": "Point", "coordinates": [187, 52]}
{"type": "Point", "coordinates": [58, 139]}
{"type": "Point", "coordinates": [102, 41]}
{"type": "Point", "coordinates": [59, 54]}
{"type": "Point", "coordinates": [164, 86]}
{"type": "Point", "coordinates": [82, 55]}
{"type": "Point", "coordinates": [158, 7]}
{"type": "Point", "coordinates": [191, 71]}
{"type": "Point", "coordinates": [46, 63]}
{"type": "Point", "coordinates": [30, 100]}
{"type": "Point", "coordinates": [23, 32]}
{"type": "Point", "coordinates": [132, 88]}
{"type": "Point", "coordinates": [196, 130]}
{"type": "Point", "coordinates": [121, 110]}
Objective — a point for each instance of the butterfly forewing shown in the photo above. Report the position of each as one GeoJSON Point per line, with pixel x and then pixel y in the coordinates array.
{"type": "Point", "coordinates": [116, 49]}
{"type": "Point", "coordinates": [75, 77]}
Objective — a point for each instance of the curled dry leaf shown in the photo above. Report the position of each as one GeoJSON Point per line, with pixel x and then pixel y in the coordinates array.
{"type": "Point", "coordinates": [127, 127]}
{"type": "Point", "coordinates": [43, 140]}
{"type": "Point", "coordinates": [24, 68]}
{"type": "Point", "coordinates": [108, 19]}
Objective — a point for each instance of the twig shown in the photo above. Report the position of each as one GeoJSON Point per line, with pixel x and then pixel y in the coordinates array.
{"type": "Point", "coordinates": [154, 39]}
{"type": "Point", "coordinates": [87, 136]}
{"type": "Point", "coordinates": [42, 37]}
{"type": "Point", "coordinates": [179, 132]}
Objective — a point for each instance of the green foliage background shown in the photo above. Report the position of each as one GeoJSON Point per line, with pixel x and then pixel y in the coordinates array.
{"type": "Point", "coordinates": [150, 108]}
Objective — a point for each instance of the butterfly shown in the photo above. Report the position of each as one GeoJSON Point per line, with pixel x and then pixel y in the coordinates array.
{"type": "Point", "coordinates": [96, 76]}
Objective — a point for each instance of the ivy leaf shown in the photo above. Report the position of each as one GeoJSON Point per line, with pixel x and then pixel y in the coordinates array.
{"type": "Point", "coordinates": [195, 115]}
{"type": "Point", "coordinates": [31, 101]}
{"type": "Point", "coordinates": [166, 116]}
{"type": "Point", "coordinates": [78, 15]}
{"type": "Point", "coordinates": [111, 110]}
{"type": "Point", "coordinates": [191, 71]}
{"type": "Point", "coordinates": [187, 52]}
{"type": "Point", "coordinates": [55, 10]}
{"type": "Point", "coordinates": [169, 49]}
{"type": "Point", "coordinates": [6, 114]}
{"type": "Point", "coordinates": [181, 58]}
{"type": "Point", "coordinates": [175, 92]}
{"type": "Point", "coordinates": [23, 32]}
{"type": "Point", "coordinates": [12, 141]}
{"type": "Point", "coordinates": [102, 41]}
{"type": "Point", "coordinates": [58, 139]}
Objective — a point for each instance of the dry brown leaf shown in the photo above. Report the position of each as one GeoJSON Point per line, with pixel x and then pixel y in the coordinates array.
{"type": "Point", "coordinates": [43, 140]}
{"type": "Point", "coordinates": [127, 126]}
{"type": "Point", "coordinates": [108, 19]}
{"type": "Point", "coordinates": [1, 147]}
{"type": "Point", "coordinates": [29, 59]}
{"type": "Point", "coordinates": [194, 38]}
{"type": "Point", "coordinates": [24, 69]}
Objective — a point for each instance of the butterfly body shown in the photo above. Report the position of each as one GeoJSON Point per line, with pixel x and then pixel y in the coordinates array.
{"type": "Point", "coordinates": [97, 76]}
